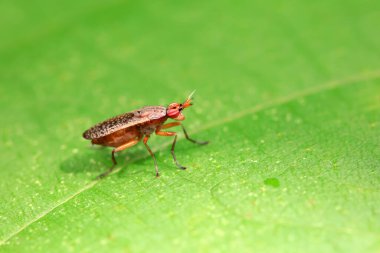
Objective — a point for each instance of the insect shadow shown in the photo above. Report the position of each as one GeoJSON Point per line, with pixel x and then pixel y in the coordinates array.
{"type": "Point", "coordinates": [97, 159]}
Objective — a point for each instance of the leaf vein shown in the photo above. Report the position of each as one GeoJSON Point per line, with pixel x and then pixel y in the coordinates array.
{"type": "Point", "coordinates": [366, 76]}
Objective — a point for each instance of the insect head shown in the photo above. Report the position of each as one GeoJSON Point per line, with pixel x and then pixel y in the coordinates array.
{"type": "Point", "coordinates": [174, 109]}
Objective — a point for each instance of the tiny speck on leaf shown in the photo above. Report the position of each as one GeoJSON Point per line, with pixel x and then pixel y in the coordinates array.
{"type": "Point", "coordinates": [274, 182]}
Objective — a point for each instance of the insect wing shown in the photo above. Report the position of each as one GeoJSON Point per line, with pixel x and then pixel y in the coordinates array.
{"type": "Point", "coordinates": [125, 120]}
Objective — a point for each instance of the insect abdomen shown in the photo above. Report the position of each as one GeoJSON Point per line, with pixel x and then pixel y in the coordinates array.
{"type": "Point", "coordinates": [126, 120]}
{"type": "Point", "coordinates": [119, 137]}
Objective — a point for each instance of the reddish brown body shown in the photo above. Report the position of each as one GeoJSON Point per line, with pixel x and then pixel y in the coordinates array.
{"type": "Point", "coordinates": [128, 129]}
{"type": "Point", "coordinates": [118, 138]}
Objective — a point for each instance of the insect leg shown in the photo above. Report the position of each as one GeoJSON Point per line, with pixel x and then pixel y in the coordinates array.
{"type": "Point", "coordinates": [173, 154]}
{"type": "Point", "coordinates": [117, 149]}
{"type": "Point", "coordinates": [192, 140]}
{"type": "Point", "coordinates": [161, 133]}
{"type": "Point", "coordinates": [173, 124]}
{"type": "Point", "coordinates": [146, 138]}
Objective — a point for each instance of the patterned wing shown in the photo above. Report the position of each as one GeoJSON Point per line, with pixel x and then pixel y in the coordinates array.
{"type": "Point", "coordinates": [125, 120]}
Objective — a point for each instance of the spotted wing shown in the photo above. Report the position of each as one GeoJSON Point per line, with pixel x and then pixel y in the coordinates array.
{"type": "Point", "coordinates": [125, 120]}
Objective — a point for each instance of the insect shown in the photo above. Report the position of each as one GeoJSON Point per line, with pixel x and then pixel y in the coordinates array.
{"type": "Point", "coordinates": [126, 130]}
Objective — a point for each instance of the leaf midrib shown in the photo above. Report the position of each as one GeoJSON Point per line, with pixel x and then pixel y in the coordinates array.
{"type": "Point", "coordinates": [361, 77]}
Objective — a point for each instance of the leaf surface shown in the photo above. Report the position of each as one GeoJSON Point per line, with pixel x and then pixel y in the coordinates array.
{"type": "Point", "coordinates": [287, 95]}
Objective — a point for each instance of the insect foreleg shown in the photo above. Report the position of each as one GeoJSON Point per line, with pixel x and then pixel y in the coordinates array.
{"type": "Point", "coordinates": [120, 148]}
{"type": "Point", "coordinates": [192, 140]}
{"type": "Point", "coordinates": [169, 125]}
{"type": "Point", "coordinates": [174, 124]}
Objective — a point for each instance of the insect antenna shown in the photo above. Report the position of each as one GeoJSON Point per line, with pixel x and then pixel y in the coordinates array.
{"type": "Point", "coordinates": [191, 95]}
{"type": "Point", "coordinates": [189, 99]}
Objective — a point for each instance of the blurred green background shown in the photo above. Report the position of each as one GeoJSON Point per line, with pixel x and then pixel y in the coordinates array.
{"type": "Point", "coordinates": [288, 93]}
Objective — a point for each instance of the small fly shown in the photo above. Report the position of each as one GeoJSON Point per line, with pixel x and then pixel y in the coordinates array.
{"type": "Point", "coordinates": [126, 130]}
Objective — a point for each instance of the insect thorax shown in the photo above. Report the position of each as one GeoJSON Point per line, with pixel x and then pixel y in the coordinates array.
{"type": "Point", "coordinates": [149, 128]}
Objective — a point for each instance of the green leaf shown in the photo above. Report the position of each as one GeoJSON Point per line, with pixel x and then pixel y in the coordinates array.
{"type": "Point", "coordinates": [287, 95]}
